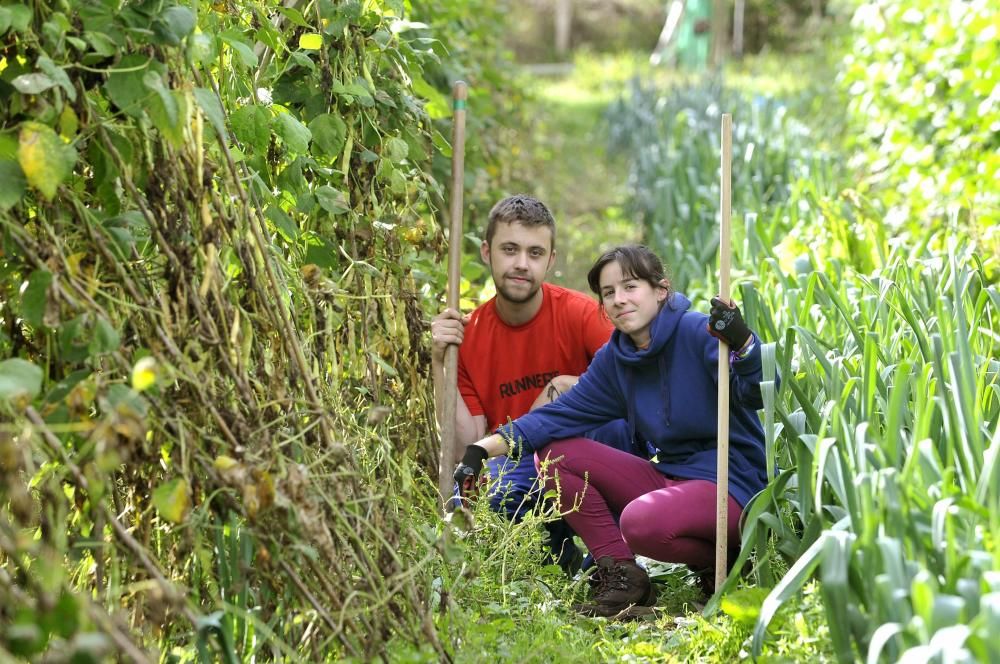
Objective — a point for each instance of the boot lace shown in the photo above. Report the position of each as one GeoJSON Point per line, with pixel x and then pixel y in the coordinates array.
{"type": "Point", "coordinates": [611, 580]}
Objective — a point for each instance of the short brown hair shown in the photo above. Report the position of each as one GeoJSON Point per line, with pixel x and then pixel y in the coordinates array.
{"type": "Point", "coordinates": [520, 209]}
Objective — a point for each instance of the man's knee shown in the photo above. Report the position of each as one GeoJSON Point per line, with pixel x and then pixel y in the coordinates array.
{"type": "Point", "coordinates": [515, 489]}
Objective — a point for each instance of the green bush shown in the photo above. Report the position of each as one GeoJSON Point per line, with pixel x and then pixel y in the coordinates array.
{"type": "Point", "coordinates": [924, 86]}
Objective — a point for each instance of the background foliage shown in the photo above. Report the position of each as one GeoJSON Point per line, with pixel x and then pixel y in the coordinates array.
{"type": "Point", "coordinates": [217, 224]}
{"type": "Point", "coordinates": [926, 94]}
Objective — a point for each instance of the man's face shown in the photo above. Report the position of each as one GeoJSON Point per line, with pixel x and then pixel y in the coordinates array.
{"type": "Point", "coordinates": [519, 257]}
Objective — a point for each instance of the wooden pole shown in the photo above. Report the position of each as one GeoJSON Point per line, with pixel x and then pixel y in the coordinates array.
{"type": "Point", "coordinates": [455, 234]}
{"type": "Point", "coordinates": [725, 258]}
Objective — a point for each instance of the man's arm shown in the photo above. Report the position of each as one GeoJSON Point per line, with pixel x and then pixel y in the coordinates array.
{"type": "Point", "coordinates": [447, 328]}
{"type": "Point", "coordinates": [553, 389]}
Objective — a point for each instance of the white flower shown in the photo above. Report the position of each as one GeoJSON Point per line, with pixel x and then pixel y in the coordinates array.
{"type": "Point", "coordinates": [264, 95]}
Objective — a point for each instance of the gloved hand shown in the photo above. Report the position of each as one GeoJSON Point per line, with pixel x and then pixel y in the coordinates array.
{"type": "Point", "coordinates": [467, 472]}
{"type": "Point", "coordinates": [726, 322]}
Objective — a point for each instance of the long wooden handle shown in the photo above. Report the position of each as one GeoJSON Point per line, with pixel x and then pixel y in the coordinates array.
{"type": "Point", "coordinates": [447, 461]}
{"type": "Point", "coordinates": [725, 258]}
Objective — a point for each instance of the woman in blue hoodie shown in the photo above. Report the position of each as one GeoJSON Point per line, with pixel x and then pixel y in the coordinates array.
{"type": "Point", "coordinates": [659, 371]}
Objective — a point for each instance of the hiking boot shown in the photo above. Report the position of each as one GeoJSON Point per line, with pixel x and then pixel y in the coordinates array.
{"type": "Point", "coordinates": [621, 590]}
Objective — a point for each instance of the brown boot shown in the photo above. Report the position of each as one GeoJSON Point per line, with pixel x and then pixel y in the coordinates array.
{"type": "Point", "coordinates": [621, 588]}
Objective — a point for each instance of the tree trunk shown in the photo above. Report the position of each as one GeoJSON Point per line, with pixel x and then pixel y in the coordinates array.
{"type": "Point", "coordinates": [719, 41]}
{"type": "Point", "coordinates": [563, 23]}
{"type": "Point", "coordinates": [738, 12]}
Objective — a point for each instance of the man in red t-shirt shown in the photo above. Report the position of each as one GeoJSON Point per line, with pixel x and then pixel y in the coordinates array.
{"type": "Point", "coordinates": [520, 350]}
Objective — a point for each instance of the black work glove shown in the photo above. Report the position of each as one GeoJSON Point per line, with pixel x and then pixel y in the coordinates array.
{"type": "Point", "coordinates": [726, 322]}
{"type": "Point", "coordinates": [467, 472]}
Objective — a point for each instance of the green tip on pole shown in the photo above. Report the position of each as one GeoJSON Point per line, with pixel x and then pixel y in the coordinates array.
{"type": "Point", "coordinates": [460, 91]}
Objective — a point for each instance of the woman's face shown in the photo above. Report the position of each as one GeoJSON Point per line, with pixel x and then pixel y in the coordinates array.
{"type": "Point", "coordinates": [631, 303]}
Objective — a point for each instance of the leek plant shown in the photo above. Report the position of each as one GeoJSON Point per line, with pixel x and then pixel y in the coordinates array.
{"type": "Point", "coordinates": [884, 435]}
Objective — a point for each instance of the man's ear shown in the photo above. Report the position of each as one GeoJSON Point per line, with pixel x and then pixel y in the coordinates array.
{"type": "Point", "coordinates": [484, 252]}
{"type": "Point", "coordinates": [552, 261]}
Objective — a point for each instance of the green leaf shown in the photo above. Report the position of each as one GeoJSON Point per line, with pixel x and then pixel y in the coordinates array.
{"type": "Point", "coordinates": [101, 44]}
{"type": "Point", "coordinates": [19, 380]}
{"type": "Point", "coordinates": [385, 366]}
{"type": "Point", "coordinates": [321, 252]}
{"type": "Point", "coordinates": [73, 339]}
{"type": "Point", "coordinates": [64, 618]}
{"type": "Point", "coordinates": [359, 92]}
{"type": "Point", "coordinates": [293, 15]}
{"type": "Point", "coordinates": [44, 158]}
{"type": "Point", "coordinates": [32, 84]}
{"type": "Point", "coordinates": [165, 109]}
{"type": "Point", "coordinates": [106, 338]}
{"type": "Point", "coordinates": [209, 103]}
{"type": "Point", "coordinates": [20, 17]}
{"type": "Point", "coordinates": [24, 640]}
{"type": "Point", "coordinates": [743, 605]}
{"type": "Point", "coordinates": [311, 41]}
{"type": "Point", "coordinates": [35, 297]}
{"type": "Point", "coordinates": [329, 133]}
{"type": "Point", "coordinates": [282, 222]}
{"type": "Point", "coordinates": [57, 74]}
{"type": "Point", "coordinates": [4, 20]}
{"type": "Point", "coordinates": [295, 134]}
{"type": "Point", "coordinates": [396, 149]}
{"type": "Point", "coordinates": [12, 184]}
{"type": "Point", "coordinates": [172, 499]}
{"type": "Point", "coordinates": [251, 126]}
{"type": "Point", "coordinates": [179, 22]}
{"type": "Point", "coordinates": [201, 48]}
{"type": "Point", "coordinates": [243, 52]}
{"type": "Point", "coordinates": [126, 86]}
{"type": "Point", "coordinates": [121, 396]}
{"type": "Point", "coordinates": [331, 200]}
{"type": "Point", "coordinates": [59, 391]}
{"type": "Point", "coordinates": [437, 104]}
{"type": "Point", "coordinates": [303, 60]}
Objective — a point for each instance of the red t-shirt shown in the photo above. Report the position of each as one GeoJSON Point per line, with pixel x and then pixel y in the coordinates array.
{"type": "Point", "coordinates": [502, 368]}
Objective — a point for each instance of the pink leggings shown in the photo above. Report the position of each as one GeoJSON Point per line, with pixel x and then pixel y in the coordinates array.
{"type": "Point", "coordinates": [666, 519]}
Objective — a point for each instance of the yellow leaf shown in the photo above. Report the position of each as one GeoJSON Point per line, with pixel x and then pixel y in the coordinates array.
{"type": "Point", "coordinates": [68, 122]}
{"type": "Point", "coordinates": [73, 262]}
{"type": "Point", "coordinates": [44, 158]}
{"type": "Point", "coordinates": [224, 463]}
{"type": "Point", "coordinates": [172, 500]}
{"type": "Point", "coordinates": [144, 374]}
{"type": "Point", "coordinates": [311, 41]}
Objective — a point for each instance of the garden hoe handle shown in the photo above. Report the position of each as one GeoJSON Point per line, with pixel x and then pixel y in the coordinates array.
{"type": "Point", "coordinates": [725, 258]}
{"type": "Point", "coordinates": [447, 465]}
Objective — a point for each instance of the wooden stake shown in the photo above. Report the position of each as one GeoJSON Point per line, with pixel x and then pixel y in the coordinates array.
{"type": "Point", "coordinates": [725, 258]}
{"type": "Point", "coordinates": [447, 462]}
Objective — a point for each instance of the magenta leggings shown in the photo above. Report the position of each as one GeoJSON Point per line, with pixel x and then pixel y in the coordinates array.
{"type": "Point", "coordinates": [663, 518]}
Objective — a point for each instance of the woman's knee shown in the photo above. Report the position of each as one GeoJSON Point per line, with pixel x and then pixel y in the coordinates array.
{"type": "Point", "coordinates": [642, 527]}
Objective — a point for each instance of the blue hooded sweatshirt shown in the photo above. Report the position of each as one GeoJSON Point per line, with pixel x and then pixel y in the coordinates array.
{"type": "Point", "coordinates": [668, 393]}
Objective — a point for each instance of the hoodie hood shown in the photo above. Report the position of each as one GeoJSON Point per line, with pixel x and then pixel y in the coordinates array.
{"type": "Point", "coordinates": [660, 332]}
